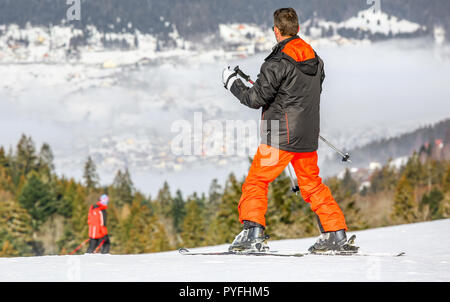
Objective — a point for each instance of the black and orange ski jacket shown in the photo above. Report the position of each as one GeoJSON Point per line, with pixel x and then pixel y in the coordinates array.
{"type": "Point", "coordinates": [288, 90]}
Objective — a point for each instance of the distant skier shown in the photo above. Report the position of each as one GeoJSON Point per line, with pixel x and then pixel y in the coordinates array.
{"type": "Point", "coordinates": [98, 233]}
{"type": "Point", "coordinates": [288, 90]}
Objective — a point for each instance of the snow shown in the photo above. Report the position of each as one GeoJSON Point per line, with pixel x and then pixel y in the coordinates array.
{"type": "Point", "coordinates": [248, 37]}
{"type": "Point", "coordinates": [398, 162]}
{"type": "Point", "coordinates": [426, 245]}
{"type": "Point", "coordinates": [374, 166]}
{"type": "Point", "coordinates": [379, 22]}
{"type": "Point", "coordinates": [439, 35]}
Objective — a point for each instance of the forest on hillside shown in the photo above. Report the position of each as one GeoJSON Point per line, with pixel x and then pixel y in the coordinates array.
{"type": "Point", "coordinates": [394, 147]}
{"type": "Point", "coordinates": [42, 213]}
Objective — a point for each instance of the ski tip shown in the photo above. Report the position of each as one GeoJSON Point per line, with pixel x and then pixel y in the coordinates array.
{"type": "Point", "coordinates": [352, 239]}
{"type": "Point", "coordinates": [183, 250]}
{"type": "Point", "coordinates": [400, 254]}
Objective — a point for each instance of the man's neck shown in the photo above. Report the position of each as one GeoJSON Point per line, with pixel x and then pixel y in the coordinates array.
{"type": "Point", "coordinates": [282, 38]}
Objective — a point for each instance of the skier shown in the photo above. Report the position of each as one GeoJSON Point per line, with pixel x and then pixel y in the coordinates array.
{"type": "Point", "coordinates": [98, 233]}
{"type": "Point", "coordinates": [288, 90]}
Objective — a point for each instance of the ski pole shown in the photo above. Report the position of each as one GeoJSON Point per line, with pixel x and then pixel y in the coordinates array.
{"type": "Point", "coordinates": [295, 187]}
{"type": "Point", "coordinates": [345, 156]}
{"type": "Point", "coordinates": [79, 247]}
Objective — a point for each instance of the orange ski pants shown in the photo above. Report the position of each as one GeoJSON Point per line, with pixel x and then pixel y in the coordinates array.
{"type": "Point", "coordinates": [267, 164]}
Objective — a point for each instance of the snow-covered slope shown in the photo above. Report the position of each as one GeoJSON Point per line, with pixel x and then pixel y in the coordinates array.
{"type": "Point", "coordinates": [427, 247]}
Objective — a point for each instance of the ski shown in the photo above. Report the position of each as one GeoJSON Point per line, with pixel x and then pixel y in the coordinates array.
{"type": "Point", "coordinates": [354, 252]}
{"type": "Point", "coordinates": [367, 254]}
{"type": "Point", "coordinates": [184, 251]}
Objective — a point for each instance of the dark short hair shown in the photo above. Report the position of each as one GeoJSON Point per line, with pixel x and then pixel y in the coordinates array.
{"type": "Point", "coordinates": [286, 20]}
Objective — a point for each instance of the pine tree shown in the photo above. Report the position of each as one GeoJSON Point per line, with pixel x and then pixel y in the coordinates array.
{"type": "Point", "coordinates": [63, 192]}
{"type": "Point", "coordinates": [282, 203]}
{"type": "Point", "coordinates": [178, 211]}
{"type": "Point", "coordinates": [193, 233]}
{"type": "Point", "coordinates": [432, 201]}
{"type": "Point", "coordinates": [45, 160]}
{"type": "Point", "coordinates": [15, 228]}
{"type": "Point", "coordinates": [283, 206]}
{"type": "Point", "coordinates": [4, 161]}
{"type": "Point", "coordinates": [133, 228]}
{"type": "Point", "coordinates": [76, 228]}
{"type": "Point", "coordinates": [141, 232]}
{"type": "Point", "coordinates": [212, 203]}
{"type": "Point", "coordinates": [7, 249]}
{"type": "Point", "coordinates": [444, 207]}
{"type": "Point", "coordinates": [344, 192]}
{"type": "Point", "coordinates": [414, 171]}
{"type": "Point", "coordinates": [348, 184]}
{"type": "Point", "coordinates": [26, 158]}
{"type": "Point", "coordinates": [90, 176]}
{"type": "Point", "coordinates": [446, 180]}
{"type": "Point", "coordinates": [37, 199]}
{"type": "Point", "coordinates": [225, 225]}
{"type": "Point", "coordinates": [383, 179]}
{"type": "Point", "coordinates": [164, 200]}
{"type": "Point", "coordinates": [164, 207]}
{"type": "Point", "coordinates": [158, 236]}
{"type": "Point", "coordinates": [6, 183]}
{"type": "Point", "coordinates": [353, 215]}
{"type": "Point", "coordinates": [123, 188]}
{"type": "Point", "coordinates": [404, 208]}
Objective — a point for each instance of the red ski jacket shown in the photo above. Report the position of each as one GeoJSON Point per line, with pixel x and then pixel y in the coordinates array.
{"type": "Point", "coordinates": [97, 221]}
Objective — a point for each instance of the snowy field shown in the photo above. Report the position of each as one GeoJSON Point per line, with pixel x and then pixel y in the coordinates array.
{"type": "Point", "coordinates": [427, 247]}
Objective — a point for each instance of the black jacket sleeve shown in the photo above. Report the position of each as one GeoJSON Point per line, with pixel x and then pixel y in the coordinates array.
{"type": "Point", "coordinates": [263, 92]}
{"type": "Point", "coordinates": [104, 217]}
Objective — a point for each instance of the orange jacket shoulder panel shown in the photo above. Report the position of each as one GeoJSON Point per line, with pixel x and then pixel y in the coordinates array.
{"type": "Point", "coordinates": [299, 50]}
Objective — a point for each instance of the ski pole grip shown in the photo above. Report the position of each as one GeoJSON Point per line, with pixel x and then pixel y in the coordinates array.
{"type": "Point", "coordinates": [242, 74]}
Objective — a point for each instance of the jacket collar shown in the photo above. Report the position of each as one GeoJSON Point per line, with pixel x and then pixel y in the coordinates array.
{"type": "Point", "coordinates": [280, 45]}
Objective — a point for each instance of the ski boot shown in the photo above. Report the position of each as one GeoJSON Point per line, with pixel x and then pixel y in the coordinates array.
{"type": "Point", "coordinates": [250, 240]}
{"type": "Point", "coordinates": [334, 242]}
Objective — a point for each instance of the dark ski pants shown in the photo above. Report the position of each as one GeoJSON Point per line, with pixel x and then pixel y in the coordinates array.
{"type": "Point", "coordinates": [94, 243]}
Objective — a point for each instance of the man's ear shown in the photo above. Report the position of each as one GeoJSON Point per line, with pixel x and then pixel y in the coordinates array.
{"type": "Point", "coordinates": [298, 29]}
{"type": "Point", "coordinates": [277, 32]}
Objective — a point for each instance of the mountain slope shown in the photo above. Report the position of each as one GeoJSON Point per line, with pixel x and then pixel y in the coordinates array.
{"type": "Point", "coordinates": [426, 245]}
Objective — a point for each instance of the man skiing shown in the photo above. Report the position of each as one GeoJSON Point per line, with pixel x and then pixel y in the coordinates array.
{"type": "Point", "coordinates": [288, 90]}
{"type": "Point", "coordinates": [98, 233]}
